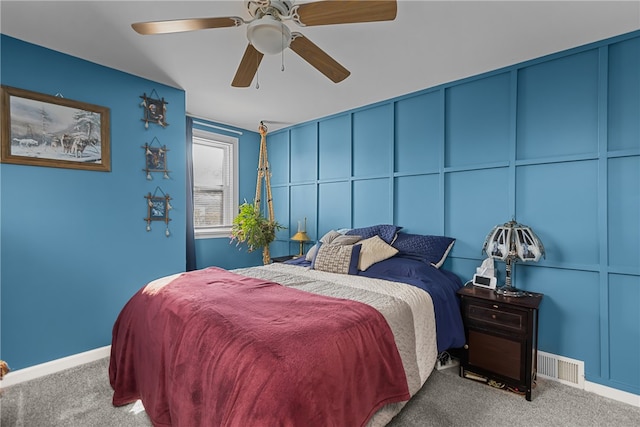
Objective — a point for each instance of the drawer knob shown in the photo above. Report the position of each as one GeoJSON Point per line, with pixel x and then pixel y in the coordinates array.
{"type": "Point", "coordinates": [466, 346]}
{"type": "Point", "coordinates": [493, 316]}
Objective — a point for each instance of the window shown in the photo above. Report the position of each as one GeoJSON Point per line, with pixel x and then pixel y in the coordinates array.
{"type": "Point", "coordinates": [215, 178]}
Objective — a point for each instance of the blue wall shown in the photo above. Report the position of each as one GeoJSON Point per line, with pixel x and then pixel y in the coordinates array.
{"type": "Point", "coordinates": [74, 247]}
{"type": "Point", "coordinates": [554, 142]}
{"type": "Point", "coordinates": [66, 275]}
{"type": "Point", "coordinates": [221, 252]}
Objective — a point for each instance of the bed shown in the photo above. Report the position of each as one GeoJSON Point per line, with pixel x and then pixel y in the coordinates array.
{"type": "Point", "coordinates": [284, 344]}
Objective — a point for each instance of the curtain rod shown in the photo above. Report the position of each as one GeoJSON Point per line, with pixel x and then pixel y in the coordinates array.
{"type": "Point", "coordinates": [197, 121]}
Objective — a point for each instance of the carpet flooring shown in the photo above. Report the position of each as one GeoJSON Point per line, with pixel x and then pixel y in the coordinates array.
{"type": "Point", "coordinates": [81, 396]}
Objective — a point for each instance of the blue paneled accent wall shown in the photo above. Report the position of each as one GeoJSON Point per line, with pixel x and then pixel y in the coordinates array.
{"type": "Point", "coordinates": [553, 142]}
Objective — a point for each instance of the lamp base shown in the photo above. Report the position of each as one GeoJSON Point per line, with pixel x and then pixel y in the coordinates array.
{"type": "Point", "coordinates": [301, 250]}
{"type": "Point", "coordinates": [510, 291]}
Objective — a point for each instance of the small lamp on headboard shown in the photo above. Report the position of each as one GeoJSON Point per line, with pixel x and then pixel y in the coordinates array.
{"type": "Point", "coordinates": [301, 236]}
{"type": "Point", "coordinates": [512, 242]}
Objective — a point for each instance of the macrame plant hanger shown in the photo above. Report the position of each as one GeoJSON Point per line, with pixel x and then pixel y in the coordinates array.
{"type": "Point", "coordinates": [264, 174]}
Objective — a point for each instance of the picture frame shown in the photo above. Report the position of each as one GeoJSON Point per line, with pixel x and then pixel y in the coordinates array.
{"type": "Point", "coordinates": [155, 110]}
{"type": "Point", "coordinates": [155, 159]}
{"type": "Point", "coordinates": [158, 208]}
{"type": "Point", "coordinates": [53, 131]}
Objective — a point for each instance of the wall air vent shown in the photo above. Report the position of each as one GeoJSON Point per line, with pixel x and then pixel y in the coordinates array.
{"type": "Point", "coordinates": [561, 369]}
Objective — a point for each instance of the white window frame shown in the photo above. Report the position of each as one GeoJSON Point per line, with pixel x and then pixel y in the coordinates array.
{"type": "Point", "coordinates": [218, 140]}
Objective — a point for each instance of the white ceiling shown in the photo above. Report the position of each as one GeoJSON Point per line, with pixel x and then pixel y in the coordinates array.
{"type": "Point", "coordinates": [429, 43]}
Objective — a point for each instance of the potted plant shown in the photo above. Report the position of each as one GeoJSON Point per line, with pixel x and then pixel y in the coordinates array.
{"type": "Point", "coordinates": [250, 227]}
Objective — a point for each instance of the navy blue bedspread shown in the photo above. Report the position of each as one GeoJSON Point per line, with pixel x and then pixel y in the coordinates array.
{"type": "Point", "coordinates": [439, 283]}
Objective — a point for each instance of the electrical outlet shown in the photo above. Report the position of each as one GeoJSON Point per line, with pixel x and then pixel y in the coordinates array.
{"type": "Point", "coordinates": [446, 363]}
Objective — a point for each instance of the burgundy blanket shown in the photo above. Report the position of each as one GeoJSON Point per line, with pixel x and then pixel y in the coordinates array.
{"type": "Point", "coordinates": [214, 348]}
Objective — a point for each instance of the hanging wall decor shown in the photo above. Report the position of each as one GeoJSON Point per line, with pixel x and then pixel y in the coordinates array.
{"type": "Point", "coordinates": [158, 208]}
{"type": "Point", "coordinates": [155, 158]}
{"type": "Point", "coordinates": [155, 109]}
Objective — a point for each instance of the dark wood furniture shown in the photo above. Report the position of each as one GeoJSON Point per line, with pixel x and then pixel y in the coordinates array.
{"type": "Point", "coordinates": [283, 258]}
{"type": "Point", "coordinates": [502, 338]}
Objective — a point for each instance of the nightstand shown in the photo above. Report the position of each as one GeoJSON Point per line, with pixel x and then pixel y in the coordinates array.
{"type": "Point", "coordinates": [502, 338]}
{"type": "Point", "coordinates": [283, 258]}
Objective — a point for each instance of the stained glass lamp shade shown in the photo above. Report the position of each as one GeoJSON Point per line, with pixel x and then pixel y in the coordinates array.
{"type": "Point", "coordinates": [511, 242]}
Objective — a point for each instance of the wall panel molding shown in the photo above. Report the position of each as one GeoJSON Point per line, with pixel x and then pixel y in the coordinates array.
{"type": "Point", "coordinates": [554, 143]}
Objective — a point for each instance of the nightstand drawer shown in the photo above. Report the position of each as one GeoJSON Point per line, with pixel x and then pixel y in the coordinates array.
{"type": "Point", "coordinates": [496, 316]}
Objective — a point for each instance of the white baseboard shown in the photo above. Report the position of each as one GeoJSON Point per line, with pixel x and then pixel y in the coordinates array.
{"type": "Point", "coordinates": [36, 371]}
{"type": "Point", "coordinates": [571, 372]}
{"type": "Point", "coordinates": [613, 393]}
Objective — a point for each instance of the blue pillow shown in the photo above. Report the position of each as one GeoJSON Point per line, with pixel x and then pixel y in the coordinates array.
{"type": "Point", "coordinates": [386, 232]}
{"type": "Point", "coordinates": [430, 249]}
{"type": "Point", "coordinates": [399, 266]}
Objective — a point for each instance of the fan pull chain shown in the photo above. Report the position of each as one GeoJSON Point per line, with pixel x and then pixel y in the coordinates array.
{"type": "Point", "coordinates": [282, 54]}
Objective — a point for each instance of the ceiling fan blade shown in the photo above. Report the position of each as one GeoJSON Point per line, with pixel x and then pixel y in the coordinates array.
{"type": "Point", "coordinates": [318, 58]}
{"type": "Point", "coordinates": [345, 12]}
{"type": "Point", "coordinates": [248, 67]}
{"type": "Point", "coordinates": [180, 25]}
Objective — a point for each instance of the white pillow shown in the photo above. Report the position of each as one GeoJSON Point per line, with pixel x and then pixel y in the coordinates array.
{"type": "Point", "coordinates": [374, 249]}
{"type": "Point", "coordinates": [345, 240]}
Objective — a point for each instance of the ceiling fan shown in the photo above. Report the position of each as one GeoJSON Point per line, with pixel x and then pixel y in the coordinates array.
{"type": "Point", "coordinates": [268, 34]}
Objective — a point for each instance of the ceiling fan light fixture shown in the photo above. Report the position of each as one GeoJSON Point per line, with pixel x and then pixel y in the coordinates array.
{"type": "Point", "coordinates": [269, 35]}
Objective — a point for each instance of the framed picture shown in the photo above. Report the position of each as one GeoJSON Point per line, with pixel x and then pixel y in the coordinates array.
{"type": "Point", "coordinates": [158, 208]}
{"type": "Point", "coordinates": [155, 110]}
{"type": "Point", "coordinates": [155, 159]}
{"type": "Point", "coordinates": [46, 130]}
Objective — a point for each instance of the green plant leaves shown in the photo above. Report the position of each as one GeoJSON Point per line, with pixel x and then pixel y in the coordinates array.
{"type": "Point", "coordinates": [250, 227]}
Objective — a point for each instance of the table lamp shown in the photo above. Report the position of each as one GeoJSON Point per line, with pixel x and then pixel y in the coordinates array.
{"type": "Point", "coordinates": [512, 242]}
{"type": "Point", "coordinates": [301, 236]}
